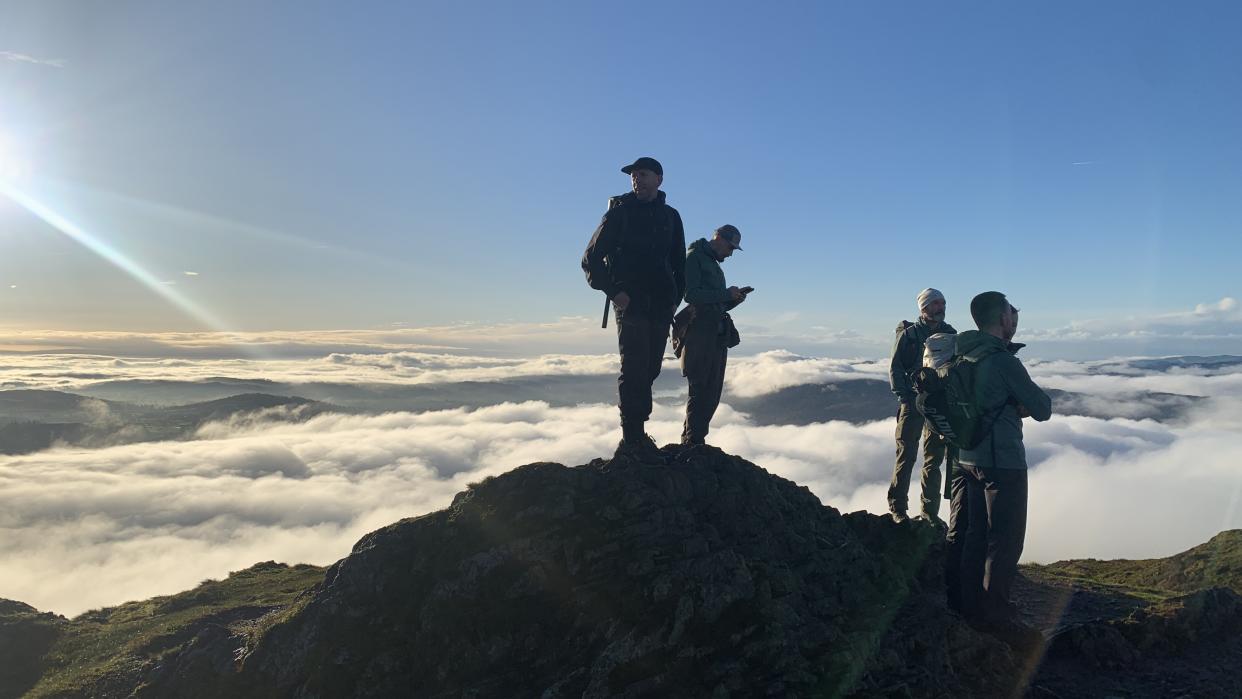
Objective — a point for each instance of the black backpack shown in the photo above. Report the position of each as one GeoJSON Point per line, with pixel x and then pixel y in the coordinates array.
{"type": "Point", "coordinates": [946, 399]}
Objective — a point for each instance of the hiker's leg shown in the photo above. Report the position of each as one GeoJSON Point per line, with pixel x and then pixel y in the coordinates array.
{"type": "Point", "coordinates": [933, 454]}
{"type": "Point", "coordinates": [975, 546]}
{"type": "Point", "coordinates": [955, 540]}
{"type": "Point", "coordinates": [704, 369]}
{"type": "Point", "coordinates": [1006, 497]}
{"type": "Point", "coordinates": [634, 384]}
{"type": "Point", "coordinates": [909, 427]}
{"type": "Point", "coordinates": [695, 365]}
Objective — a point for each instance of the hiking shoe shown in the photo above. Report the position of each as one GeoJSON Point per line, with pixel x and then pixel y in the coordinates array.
{"type": "Point", "coordinates": [899, 516]}
{"type": "Point", "coordinates": [642, 450]}
{"type": "Point", "coordinates": [934, 521]}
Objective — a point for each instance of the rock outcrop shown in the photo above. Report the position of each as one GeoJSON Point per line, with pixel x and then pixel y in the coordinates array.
{"type": "Point", "coordinates": [701, 576]}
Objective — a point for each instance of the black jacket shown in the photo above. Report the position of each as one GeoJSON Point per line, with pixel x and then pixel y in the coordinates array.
{"type": "Point", "coordinates": [639, 248]}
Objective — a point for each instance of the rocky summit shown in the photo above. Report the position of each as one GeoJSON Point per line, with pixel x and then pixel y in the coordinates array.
{"type": "Point", "coordinates": [701, 576]}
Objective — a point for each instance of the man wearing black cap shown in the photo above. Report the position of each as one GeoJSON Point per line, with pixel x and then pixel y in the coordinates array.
{"type": "Point", "coordinates": [636, 257]}
{"type": "Point", "coordinates": [704, 331]}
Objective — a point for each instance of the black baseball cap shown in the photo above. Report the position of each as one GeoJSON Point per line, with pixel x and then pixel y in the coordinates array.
{"type": "Point", "coordinates": [645, 163]}
{"type": "Point", "coordinates": [731, 235]}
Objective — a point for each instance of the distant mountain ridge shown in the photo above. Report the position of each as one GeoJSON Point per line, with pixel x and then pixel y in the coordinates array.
{"type": "Point", "coordinates": [142, 410]}
{"type": "Point", "coordinates": [31, 421]}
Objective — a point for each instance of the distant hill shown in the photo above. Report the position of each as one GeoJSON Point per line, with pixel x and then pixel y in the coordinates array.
{"type": "Point", "coordinates": [701, 576]}
{"type": "Point", "coordinates": [1219, 361]}
{"type": "Point", "coordinates": [35, 420]}
{"type": "Point", "coordinates": [1217, 563]}
{"type": "Point", "coordinates": [867, 400]}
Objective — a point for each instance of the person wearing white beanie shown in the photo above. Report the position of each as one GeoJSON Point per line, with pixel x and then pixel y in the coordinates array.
{"type": "Point", "coordinates": [906, 360]}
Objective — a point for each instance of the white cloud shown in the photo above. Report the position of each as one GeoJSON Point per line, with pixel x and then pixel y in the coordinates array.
{"type": "Point", "coordinates": [768, 372]}
{"type": "Point", "coordinates": [24, 58]}
{"type": "Point", "coordinates": [1207, 321]}
{"type": "Point", "coordinates": [69, 372]}
{"type": "Point", "coordinates": [83, 528]}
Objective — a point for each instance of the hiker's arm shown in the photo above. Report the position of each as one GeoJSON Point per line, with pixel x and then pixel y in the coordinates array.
{"type": "Point", "coordinates": [1029, 396]}
{"type": "Point", "coordinates": [897, 378]}
{"type": "Point", "coordinates": [602, 243]}
{"type": "Point", "coordinates": [696, 292]}
{"type": "Point", "coordinates": [677, 255]}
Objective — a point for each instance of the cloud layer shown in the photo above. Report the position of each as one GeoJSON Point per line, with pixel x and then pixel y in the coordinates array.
{"type": "Point", "coordinates": [85, 528]}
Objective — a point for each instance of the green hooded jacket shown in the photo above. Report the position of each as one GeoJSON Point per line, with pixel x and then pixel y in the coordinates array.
{"type": "Point", "coordinates": [1001, 383]}
{"type": "Point", "coordinates": [705, 288]}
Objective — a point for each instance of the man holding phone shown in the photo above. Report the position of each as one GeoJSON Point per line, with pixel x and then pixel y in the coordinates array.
{"type": "Point", "coordinates": [703, 331]}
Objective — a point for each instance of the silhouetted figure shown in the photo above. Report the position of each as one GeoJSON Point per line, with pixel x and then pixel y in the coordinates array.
{"type": "Point", "coordinates": [636, 257]}
{"type": "Point", "coordinates": [995, 470]}
{"type": "Point", "coordinates": [704, 332]}
{"type": "Point", "coordinates": [907, 359]}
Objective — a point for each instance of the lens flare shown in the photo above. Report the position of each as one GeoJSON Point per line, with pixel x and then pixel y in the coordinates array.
{"type": "Point", "coordinates": [111, 254]}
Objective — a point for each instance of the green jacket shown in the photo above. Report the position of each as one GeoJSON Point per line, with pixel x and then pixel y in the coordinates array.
{"type": "Point", "coordinates": [1001, 383]}
{"type": "Point", "coordinates": [705, 288]}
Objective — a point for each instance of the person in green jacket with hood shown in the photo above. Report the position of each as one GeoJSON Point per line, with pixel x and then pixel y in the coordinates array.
{"type": "Point", "coordinates": [704, 340]}
{"type": "Point", "coordinates": [995, 470]}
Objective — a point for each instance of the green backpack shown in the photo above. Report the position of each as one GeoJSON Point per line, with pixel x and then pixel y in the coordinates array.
{"type": "Point", "coordinates": [946, 399]}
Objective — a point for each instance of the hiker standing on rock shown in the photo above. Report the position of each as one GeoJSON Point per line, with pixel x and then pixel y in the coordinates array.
{"type": "Point", "coordinates": [703, 332]}
{"type": "Point", "coordinates": [637, 258]}
{"type": "Point", "coordinates": [907, 358]}
{"type": "Point", "coordinates": [995, 470]}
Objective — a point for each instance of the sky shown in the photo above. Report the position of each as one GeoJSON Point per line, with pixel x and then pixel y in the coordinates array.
{"type": "Point", "coordinates": [304, 167]}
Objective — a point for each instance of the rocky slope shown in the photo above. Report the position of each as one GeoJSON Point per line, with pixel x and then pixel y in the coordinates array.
{"type": "Point", "coordinates": [702, 576]}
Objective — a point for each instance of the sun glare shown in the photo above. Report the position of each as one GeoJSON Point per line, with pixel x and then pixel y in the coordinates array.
{"type": "Point", "coordinates": [13, 166]}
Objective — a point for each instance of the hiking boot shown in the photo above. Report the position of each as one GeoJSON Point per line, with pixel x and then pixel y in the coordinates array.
{"type": "Point", "coordinates": [898, 516]}
{"type": "Point", "coordinates": [935, 521]}
{"type": "Point", "coordinates": [642, 450]}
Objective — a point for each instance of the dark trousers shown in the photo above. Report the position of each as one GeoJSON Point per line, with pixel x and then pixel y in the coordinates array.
{"type": "Point", "coordinates": [909, 428]}
{"type": "Point", "coordinates": [996, 508]}
{"type": "Point", "coordinates": [703, 364]}
{"type": "Point", "coordinates": [955, 538]}
{"type": "Point", "coordinates": [641, 339]}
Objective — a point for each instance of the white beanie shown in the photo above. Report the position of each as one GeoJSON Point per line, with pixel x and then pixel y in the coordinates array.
{"type": "Point", "coordinates": [928, 295]}
{"type": "Point", "coordinates": [939, 349]}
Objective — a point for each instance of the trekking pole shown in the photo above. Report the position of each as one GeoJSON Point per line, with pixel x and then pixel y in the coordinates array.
{"type": "Point", "coordinates": [604, 323]}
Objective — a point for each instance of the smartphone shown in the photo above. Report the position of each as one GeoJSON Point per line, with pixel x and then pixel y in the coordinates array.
{"type": "Point", "coordinates": [746, 289]}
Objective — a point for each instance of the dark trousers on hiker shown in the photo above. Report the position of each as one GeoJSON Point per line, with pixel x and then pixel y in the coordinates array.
{"type": "Point", "coordinates": [703, 362]}
{"type": "Point", "coordinates": [955, 538]}
{"type": "Point", "coordinates": [641, 337]}
{"type": "Point", "coordinates": [909, 428]}
{"type": "Point", "coordinates": [996, 508]}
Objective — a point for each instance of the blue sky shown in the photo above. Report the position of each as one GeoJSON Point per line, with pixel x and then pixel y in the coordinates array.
{"type": "Point", "coordinates": [321, 167]}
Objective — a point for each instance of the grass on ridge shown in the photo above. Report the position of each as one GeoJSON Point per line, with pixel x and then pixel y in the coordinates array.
{"type": "Point", "coordinates": [122, 641]}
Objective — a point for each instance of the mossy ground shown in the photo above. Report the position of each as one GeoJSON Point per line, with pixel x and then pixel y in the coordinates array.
{"type": "Point", "coordinates": [1217, 563]}
{"type": "Point", "coordinates": [101, 646]}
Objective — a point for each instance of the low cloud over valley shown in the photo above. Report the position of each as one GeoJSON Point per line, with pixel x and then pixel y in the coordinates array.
{"type": "Point", "coordinates": [1147, 466]}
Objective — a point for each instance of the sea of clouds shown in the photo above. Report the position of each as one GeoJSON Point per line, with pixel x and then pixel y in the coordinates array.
{"type": "Point", "coordinates": [85, 528]}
